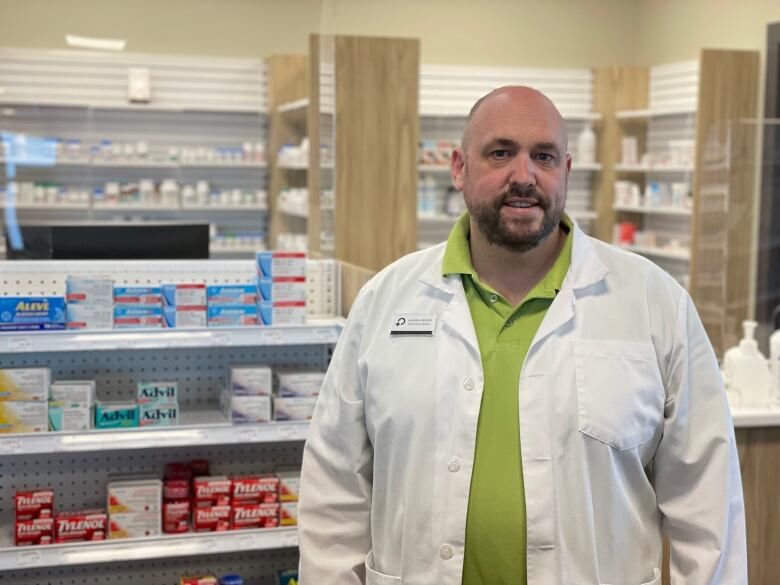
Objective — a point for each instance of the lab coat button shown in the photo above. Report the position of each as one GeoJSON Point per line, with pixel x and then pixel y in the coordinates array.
{"type": "Point", "coordinates": [454, 465]}
{"type": "Point", "coordinates": [468, 383]}
{"type": "Point", "coordinates": [446, 552]}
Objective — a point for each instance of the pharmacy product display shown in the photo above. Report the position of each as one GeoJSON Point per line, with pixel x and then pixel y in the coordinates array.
{"type": "Point", "coordinates": [29, 403]}
{"type": "Point", "coordinates": [276, 297]}
{"type": "Point", "coordinates": [187, 498]}
{"type": "Point", "coordinates": [283, 577]}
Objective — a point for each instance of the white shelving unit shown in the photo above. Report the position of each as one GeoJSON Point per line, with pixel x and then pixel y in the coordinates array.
{"type": "Point", "coordinates": [683, 255]}
{"type": "Point", "coordinates": [142, 549]}
{"type": "Point", "coordinates": [653, 210]}
{"type": "Point", "coordinates": [77, 464]}
{"type": "Point", "coordinates": [625, 168]}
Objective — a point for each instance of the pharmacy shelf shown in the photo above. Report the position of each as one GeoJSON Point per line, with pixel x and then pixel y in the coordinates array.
{"type": "Point", "coordinates": [623, 168]}
{"type": "Point", "coordinates": [756, 417]}
{"type": "Point", "coordinates": [290, 167]}
{"type": "Point", "coordinates": [138, 549]}
{"type": "Point", "coordinates": [437, 219]}
{"type": "Point", "coordinates": [293, 106]}
{"type": "Point", "coordinates": [233, 251]}
{"type": "Point", "coordinates": [197, 428]}
{"type": "Point", "coordinates": [444, 169]}
{"type": "Point", "coordinates": [312, 333]}
{"type": "Point", "coordinates": [287, 209]}
{"type": "Point", "coordinates": [646, 114]}
{"type": "Point", "coordinates": [462, 112]}
{"type": "Point", "coordinates": [684, 255]}
{"type": "Point", "coordinates": [140, 208]}
{"type": "Point", "coordinates": [585, 215]}
{"type": "Point", "coordinates": [141, 164]}
{"type": "Point", "coordinates": [653, 210]}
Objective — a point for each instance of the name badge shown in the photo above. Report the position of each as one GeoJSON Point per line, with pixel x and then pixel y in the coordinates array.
{"type": "Point", "coordinates": [413, 324]}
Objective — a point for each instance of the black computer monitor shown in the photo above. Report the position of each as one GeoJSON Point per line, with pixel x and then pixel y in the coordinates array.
{"type": "Point", "coordinates": [108, 241]}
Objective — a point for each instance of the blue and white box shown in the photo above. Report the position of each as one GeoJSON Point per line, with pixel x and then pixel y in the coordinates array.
{"type": "Point", "coordinates": [32, 313]}
{"type": "Point", "coordinates": [88, 316]}
{"type": "Point", "coordinates": [281, 313]}
{"type": "Point", "coordinates": [116, 415]}
{"type": "Point", "coordinates": [299, 383]}
{"type": "Point", "coordinates": [69, 416]}
{"type": "Point", "coordinates": [73, 391]}
{"type": "Point", "coordinates": [231, 294]}
{"type": "Point", "coordinates": [251, 380]}
{"type": "Point", "coordinates": [137, 316]}
{"type": "Point", "coordinates": [232, 315]}
{"type": "Point", "coordinates": [283, 288]}
{"type": "Point", "coordinates": [137, 295]}
{"type": "Point", "coordinates": [245, 409]}
{"type": "Point", "coordinates": [92, 290]}
{"type": "Point", "coordinates": [294, 408]}
{"type": "Point", "coordinates": [158, 391]}
{"type": "Point", "coordinates": [184, 317]}
{"type": "Point", "coordinates": [158, 414]}
{"type": "Point", "coordinates": [184, 295]}
{"type": "Point", "coordinates": [278, 264]}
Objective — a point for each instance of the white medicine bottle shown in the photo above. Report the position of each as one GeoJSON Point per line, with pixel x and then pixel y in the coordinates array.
{"type": "Point", "coordinates": [586, 146]}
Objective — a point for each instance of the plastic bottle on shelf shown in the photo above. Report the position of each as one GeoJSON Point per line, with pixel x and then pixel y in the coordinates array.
{"type": "Point", "coordinates": [586, 146]}
{"type": "Point", "coordinates": [746, 373]}
{"type": "Point", "coordinates": [435, 203]}
{"type": "Point", "coordinates": [774, 359]}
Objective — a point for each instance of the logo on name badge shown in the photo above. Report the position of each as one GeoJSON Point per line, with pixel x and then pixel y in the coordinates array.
{"type": "Point", "coordinates": [413, 324]}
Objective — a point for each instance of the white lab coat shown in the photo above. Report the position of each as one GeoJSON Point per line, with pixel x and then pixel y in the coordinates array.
{"type": "Point", "coordinates": [624, 430]}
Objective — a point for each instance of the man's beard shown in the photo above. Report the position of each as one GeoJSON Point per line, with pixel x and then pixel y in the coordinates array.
{"type": "Point", "coordinates": [498, 233]}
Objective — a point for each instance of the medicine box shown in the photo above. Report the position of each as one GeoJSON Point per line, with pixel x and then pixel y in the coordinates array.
{"type": "Point", "coordinates": [232, 315]}
{"type": "Point", "coordinates": [29, 416]}
{"type": "Point", "coordinates": [251, 380]}
{"type": "Point", "coordinates": [281, 313]}
{"type": "Point", "coordinates": [158, 414]}
{"type": "Point", "coordinates": [135, 525]}
{"type": "Point", "coordinates": [116, 415]}
{"type": "Point", "coordinates": [90, 316]}
{"type": "Point", "coordinates": [137, 295]}
{"type": "Point", "coordinates": [245, 409]}
{"type": "Point", "coordinates": [32, 313]}
{"type": "Point", "coordinates": [278, 264]}
{"type": "Point", "coordinates": [158, 391]}
{"type": "Point", "coordinates": [290, 383]}
{"type": "Point", "coordinates": [284, 288]}
{"type": "Point", "coordinates": [79, 391]}
{"type": "Point", "coordinates": [24, 384]}
{"type": "Point", "coordinates": [134, 496]}
{"type": "Point", "coordinates": [297, 408]}
{"type": "Point", "coordinates": [93, 290]}
{"type": "Point", "coordinates": [184, 295]}
{"type": "Point", "coordinates": [137, 316]}
{"type": "Point", "coordinates": [231, 294]}
{"type": "Point", "coordinates": [69, 416]}
{"type": "Point", "coordinates": [184, 317]}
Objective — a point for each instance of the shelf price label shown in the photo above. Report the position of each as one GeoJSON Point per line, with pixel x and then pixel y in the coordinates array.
{"type": "Point", "coordinates": [29, 558]}
{"type": "Point", "coordinates": [288, 432]}
{"type": "Point", "coordinates": [10, 446]}
{"type": "Point", "coordinates": [290, 539]}
{"type": "Point", "coordinates": [271, 337]}
{"type": "Point", "coordinates": [246, 542]}
{"type": "Point", "coordinates": [324, 335]}
{"type": "Point", "coordinates": [19, 344]}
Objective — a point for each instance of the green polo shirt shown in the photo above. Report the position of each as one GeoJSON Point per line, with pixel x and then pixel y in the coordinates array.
{"type": "Point", "coordinates": [496, 524]}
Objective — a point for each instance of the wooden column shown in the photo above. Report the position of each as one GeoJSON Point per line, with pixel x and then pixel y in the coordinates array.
{"type": "Point", "coordinates": [615, 89]}
{"type": "Point", "coordinates": [377, 128]}
{"type": "Point", "coordinates": [288, 80]}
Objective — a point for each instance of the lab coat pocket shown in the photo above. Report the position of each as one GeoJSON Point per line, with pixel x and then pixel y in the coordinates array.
{"type": "Point", "coordinates": [374, 577]}
{"type": "Point", "coordinates": [656, 579]}
{"type": "Point", "coordinates": [620, 393]}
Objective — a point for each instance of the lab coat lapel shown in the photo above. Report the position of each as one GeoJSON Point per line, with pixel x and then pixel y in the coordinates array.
{"type": "Point", "coordinates": [455, 315]}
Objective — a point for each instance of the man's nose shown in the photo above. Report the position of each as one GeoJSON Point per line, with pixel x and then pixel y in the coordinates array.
{"type": "Point", "coordinates": [523, 171]}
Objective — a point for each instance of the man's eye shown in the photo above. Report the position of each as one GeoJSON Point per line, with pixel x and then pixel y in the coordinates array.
{"type": "Point", "coordinates": [500, 154]}
{"type": "Point", "coordinates": [544, 157]}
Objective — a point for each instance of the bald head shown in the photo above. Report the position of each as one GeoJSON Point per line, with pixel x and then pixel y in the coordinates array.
{"type": "Point", "coordinates": [528, 97]}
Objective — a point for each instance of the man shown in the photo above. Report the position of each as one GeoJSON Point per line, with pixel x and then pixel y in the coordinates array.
{"type": "Point", "coordinates": [524, 404]}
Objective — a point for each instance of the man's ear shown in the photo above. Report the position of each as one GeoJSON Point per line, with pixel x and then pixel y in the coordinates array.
{"type": "Point", "coordinates": [458, 168]}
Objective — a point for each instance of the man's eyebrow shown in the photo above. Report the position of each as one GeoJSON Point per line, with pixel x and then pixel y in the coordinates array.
{"type": "Point", "coordinates": [503, 142]}
{"type": "Point", "coordinates": [548, 146]}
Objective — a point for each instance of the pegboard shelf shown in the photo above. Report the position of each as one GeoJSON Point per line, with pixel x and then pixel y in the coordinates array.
{"type": "Point", "coordinates": [197, 428]}
{"type": "Point", "coordinates": [60, 555]}
{"type": "Point", "coordinates": [313, 333]}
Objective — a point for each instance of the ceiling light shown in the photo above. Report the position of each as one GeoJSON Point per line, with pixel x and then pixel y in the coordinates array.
{"type": "Point", "coordinates": [93, 43]}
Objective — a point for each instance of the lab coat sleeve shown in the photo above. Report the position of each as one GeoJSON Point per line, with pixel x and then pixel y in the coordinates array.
{"type": "Point", "coordinates": [336, 477]}
{"type": "Point", "coordinates": [696, 468]}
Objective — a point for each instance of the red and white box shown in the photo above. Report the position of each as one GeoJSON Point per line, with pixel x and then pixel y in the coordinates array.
{"type": "Point", "coordinates": [86, 526]}
{"type": "Point", "coordinates": [255, 489]}
{"type": "Point", "coordinates": [213, 519]}
{"type": "Point", "coordinates": [176, 517]}
{"type": "Point", "coordinates": [199, 467]}
{"type": "Point", "coordinates": [178, 471]}
{"type": "Point", "coordinates": [198, 580]}
{"type": "Point", "coordinates": [34, 532]}
{"type": "Point", "coordinates": [211, 490]}
{"type": "Point", "coordinates": [176, 489]}
{"type": "Point", "coordinates": [35, 504]}
{"type": "Point", "coordinates": [128, 497]}
{"type": "Point", "coordinates": [255, 516]}
{"type": "Point", "coordinates": [135, 525]}
{"type": "Point", "coordinates": [288, 514]}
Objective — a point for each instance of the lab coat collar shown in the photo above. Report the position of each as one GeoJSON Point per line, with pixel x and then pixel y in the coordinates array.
{"type": "Point", "coordinates": [586, 267]}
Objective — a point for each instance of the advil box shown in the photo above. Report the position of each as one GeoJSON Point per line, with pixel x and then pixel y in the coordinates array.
{"type": "Point", "coordinates": [255, 516]}
{"type": "Point", "coordinates": [255, 489]}
{"type": "Point", "coordinates": [34, 504]}
{"type": "Point", "coordinates": [33, 532]}
{"type": "Point", "coordinates": [81, 526]}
